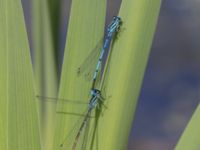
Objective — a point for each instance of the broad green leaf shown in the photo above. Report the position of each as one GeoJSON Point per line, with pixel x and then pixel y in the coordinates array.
{"type": "Point", "coordinates": [45, 69]}
{"type": "Point", "coordinates": [190, 138]}
{"type": "Point", "coordinates": [85, 30]}
{"type": "Point", "coordinates": [20, 128]}
{"type": "Point", "coordinates": [3, 76]}
{"type": "Point", "coordinates": [125, 72]}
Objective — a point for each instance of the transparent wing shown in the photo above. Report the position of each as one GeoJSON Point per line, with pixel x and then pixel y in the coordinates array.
{"type": "Point", "coordinates": [87, 68]}
{"type": "Point", "coordinates": [86, 136]}
{"type": "Point", "coordinates": [59, 100]}
{"type": "Point", "coordinates": [74, 114]}
{"type": "Point", "coordinates": [65, 106]}
{"type": "Point", "coordinates": [70, 137]}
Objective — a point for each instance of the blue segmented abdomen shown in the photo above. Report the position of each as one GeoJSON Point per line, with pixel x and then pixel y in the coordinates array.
{"type": "Point", "coordinates": [105, 46]}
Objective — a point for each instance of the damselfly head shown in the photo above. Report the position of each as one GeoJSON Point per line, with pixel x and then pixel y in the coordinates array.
{"type": "Point", "coordinates": [115, 25]}
{"type": "Point", "coordinates": [95, 92]}
{"type": "Point", "coordinates": [116, 18]}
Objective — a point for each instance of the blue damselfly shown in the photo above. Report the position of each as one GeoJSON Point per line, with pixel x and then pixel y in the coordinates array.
{"type": "Point", "coordinates": [95, 92]}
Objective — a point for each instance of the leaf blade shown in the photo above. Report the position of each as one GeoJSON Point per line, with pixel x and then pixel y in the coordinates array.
{"type": "Point", "coordinates": [23, 131]}
{"type": "Point", "coordinates": [3, 77]}
{"type": "Point", "coordinates": [85, 28]}
{"type": "Point", "coordinates": [190, 137]}
{"type": "Point", "coordinates": [126, 69]}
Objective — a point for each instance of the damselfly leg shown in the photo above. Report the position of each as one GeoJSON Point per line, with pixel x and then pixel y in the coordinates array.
{"type": "Point", "coordinates": [76, 117]}
{"type": "Point", "coordinates": [75, 137]}
{"type": "Point", "coordinates": [94, 101]}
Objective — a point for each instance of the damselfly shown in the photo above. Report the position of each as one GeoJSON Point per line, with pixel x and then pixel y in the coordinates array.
{"type": "Point", "coordinates": [96, 99]}
{"type": "Point", "coordinates": [99, 52]}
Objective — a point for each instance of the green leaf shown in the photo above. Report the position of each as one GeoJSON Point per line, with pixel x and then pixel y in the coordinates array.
{"type": "Point", "coordinates": [190, 138]}
{"type": "Point", "coordinates": [3, 76]}
{"type": "Point", "coordinates": [126, 69]}
{"type": "Point", "coordinates": [123, 77]}
{"type": "Point", "coordinates": [45, 69]}
{"type": "Point", "coordinates": [20, 128]}
{"type": "Point", "coordinates": [86, 27]}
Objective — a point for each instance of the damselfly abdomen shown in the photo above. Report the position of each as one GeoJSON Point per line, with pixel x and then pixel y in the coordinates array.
{"type": "Point", "coordinates": [75, 139]}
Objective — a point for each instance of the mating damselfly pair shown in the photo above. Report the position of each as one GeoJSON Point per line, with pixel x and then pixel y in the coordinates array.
{"type": "Point", "coordinates": [75, 135]}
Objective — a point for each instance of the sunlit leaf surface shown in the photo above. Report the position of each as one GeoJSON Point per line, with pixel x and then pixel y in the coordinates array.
{"type": "Point", "coordinates": [19, 122]}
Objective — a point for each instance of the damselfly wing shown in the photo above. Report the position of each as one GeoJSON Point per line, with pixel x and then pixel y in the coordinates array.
{"type": "Point", "coordinates": [87, 67]}
{"type": "Point", "coordinates": [76, 112]}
